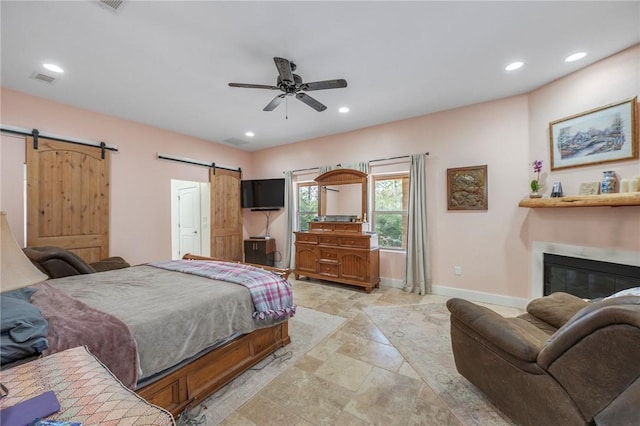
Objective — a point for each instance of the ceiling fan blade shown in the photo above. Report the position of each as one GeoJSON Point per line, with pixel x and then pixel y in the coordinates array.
{"type": "Point", "coordinates": [326, 84]}
{"type": "Point", "coordinates": [311, 102]}
{"type": "Point", "coordinates": [253, 86]}
{"type": "Point", "coordinates": [274, 103]}
{"type": "Point", "coordinates": [284, 69]}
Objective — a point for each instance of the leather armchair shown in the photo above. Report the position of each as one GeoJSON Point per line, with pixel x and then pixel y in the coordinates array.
{"type": "Point", "coordinates": [57, 262]}
{"type": "Point", "coordinates": [565, 361]}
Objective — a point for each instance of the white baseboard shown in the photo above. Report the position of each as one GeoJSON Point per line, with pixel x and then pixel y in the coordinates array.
{"type": "Point", "coordinates": [390, 282]}
{"type": "Point", "coordinates": [476, 296]}
{"type": "Point", "coordinates": [479, 296]}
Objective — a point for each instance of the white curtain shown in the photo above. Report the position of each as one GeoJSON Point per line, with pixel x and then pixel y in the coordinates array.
{"type": "Point", "coordinates": [418, 273]}
{"type": "Point", "coordinates": [361, 166]}
{"type": "Point", "coordinates": [289, 219]}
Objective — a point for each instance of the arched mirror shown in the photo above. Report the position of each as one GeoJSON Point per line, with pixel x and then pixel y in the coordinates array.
{"type": "Point", "coordinates": [342, 195]}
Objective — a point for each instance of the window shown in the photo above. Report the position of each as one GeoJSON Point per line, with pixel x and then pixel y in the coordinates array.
{"type": "Point", "coordinates": [307, 204]}
{"type": "Point", "coordinates": [390, 210]}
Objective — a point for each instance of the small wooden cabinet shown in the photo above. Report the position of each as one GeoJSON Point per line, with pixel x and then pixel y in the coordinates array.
{"type": "Point", "coordinates": [260, 251]}
{"type": "Point", "coordinates": [338, 252]}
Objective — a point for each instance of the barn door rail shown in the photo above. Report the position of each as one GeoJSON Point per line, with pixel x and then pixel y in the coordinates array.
{"type": "Point", "coordinates": [186, 160]}
{"type": "Point", "coordinates": [37, 134]}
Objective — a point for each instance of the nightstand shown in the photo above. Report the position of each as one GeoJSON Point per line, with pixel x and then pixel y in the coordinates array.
{"type": "Point", "coordinates": [259, 250]}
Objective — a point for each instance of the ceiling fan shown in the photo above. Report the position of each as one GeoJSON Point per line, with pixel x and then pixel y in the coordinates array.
{"type": "Point", "coordinates": [291, 84]}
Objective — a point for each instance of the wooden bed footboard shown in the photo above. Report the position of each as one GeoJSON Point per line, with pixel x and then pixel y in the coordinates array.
{"type": "Point", "coordinates": [203, 376]}
{"type": "Point", "coordinates": [283, 272]}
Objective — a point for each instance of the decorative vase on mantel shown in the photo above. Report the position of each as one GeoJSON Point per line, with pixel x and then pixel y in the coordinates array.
{"type": "Point", "coordinates": [535, 194]}
{"type": "Point", "coordinates": [608, 184]}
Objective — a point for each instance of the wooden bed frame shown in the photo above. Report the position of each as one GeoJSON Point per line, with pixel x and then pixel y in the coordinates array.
{"type": "Point", "coordinates": [203, 376]}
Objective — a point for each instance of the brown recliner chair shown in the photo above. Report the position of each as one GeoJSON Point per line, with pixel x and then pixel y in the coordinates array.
{"type": "Point", "coordinates": [57, 262]}
{"type": "Point", "coordinates": [564, 362]}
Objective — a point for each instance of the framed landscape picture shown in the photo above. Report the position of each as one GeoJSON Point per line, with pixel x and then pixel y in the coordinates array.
{"type": "Point", "coordinates": [467, 188]}
{"type": "Point", "coordinates": [601, 135]}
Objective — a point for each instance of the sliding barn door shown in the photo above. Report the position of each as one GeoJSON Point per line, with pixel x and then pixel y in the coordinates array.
{"type": "Point", "coordinates": [68, 198]}
{"type": "Point", "coordinates": [226, 215]}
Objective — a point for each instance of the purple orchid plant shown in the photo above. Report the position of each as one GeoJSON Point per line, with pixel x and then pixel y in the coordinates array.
{"type": "Point", "coordinates": [537, 167]}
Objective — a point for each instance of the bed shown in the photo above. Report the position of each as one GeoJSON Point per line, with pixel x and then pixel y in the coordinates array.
{"type": "Point", "coordinates": [173, 335]}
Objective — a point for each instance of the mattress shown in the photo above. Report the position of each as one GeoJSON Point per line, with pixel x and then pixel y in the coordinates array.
{"type": "Point", "coordinates": [173, 316]}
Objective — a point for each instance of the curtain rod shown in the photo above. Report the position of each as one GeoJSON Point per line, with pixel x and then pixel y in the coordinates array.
{"type": "Point", "coordinates": [196, 162]}
{"type": "Point", "coordinates": [308, 168]}
{"type": "Point", "coordinates": [370, 161]}
{"type": "Point", "coordinates": [36, 134]}
{"type": "Point", "coordinates": [393, 158]}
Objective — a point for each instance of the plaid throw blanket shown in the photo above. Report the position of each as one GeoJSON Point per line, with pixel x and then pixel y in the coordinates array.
{"type": "Point", "coordinates": [271, 294]}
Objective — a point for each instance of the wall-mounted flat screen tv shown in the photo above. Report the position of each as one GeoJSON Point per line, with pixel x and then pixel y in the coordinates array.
{"type": "Point", "coordinates": [262, 193]}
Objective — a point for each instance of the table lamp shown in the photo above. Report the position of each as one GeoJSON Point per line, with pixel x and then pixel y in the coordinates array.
{"type": "Point", "coordinates": [16, 270]}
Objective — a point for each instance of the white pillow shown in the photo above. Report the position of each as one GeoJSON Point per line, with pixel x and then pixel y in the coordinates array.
{"type": "Point", "coordinates": [633, 291]}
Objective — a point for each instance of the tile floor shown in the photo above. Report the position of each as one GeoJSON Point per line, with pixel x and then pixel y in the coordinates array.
{"type": "Point", "coordinates": [353, 377]}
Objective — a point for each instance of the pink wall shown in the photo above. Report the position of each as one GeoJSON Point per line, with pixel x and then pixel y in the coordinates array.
{"type": "Point", "coordinates": [492, 247]}
{"type": "Point", "coordinates": [614, 79]}
{"type": "Point", "coordinates": [11, 184]}
{"type": "Point", "coordinates": [140, 183]}
{"type": "Point", "coordinates": [485, 244]}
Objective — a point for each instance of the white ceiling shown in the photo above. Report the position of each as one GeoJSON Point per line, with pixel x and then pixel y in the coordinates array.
{"type": "Point", "coordinates": [167, 63]}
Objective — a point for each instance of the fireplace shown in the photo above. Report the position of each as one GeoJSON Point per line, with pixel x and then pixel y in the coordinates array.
{"type": "Point", "coordinates": [586, 278]}
{"type": "Point", "coordinates": [582, 253]}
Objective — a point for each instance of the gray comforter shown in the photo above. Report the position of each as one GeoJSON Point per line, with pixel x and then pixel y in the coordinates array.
{"type": "Point", "coordinates": [73, 323]}
{"type": "Point", "coordinates": [172, 315]}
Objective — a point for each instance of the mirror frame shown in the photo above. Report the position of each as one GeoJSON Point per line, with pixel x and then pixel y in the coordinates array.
{"type": "Point", "coordinates": [343, 177]}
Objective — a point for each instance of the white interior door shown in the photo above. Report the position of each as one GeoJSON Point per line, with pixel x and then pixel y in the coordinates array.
{"type": "Point", "coordinates": [189, 220]}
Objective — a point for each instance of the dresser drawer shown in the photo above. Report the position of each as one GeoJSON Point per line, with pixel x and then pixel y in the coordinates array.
{"type": "Point", "coordinates": [320, 226]}
{"type": "Point", "coordinates": [354, 242]}
{"type": "Point", "coordinates": [330, 269]}
{"type": "Point", "coordinates": [328, 254]}
{"type": "Point", "coordinates": [347, 227]}
{"type": "Point", "coordinates": [328, 240]}
{"type": "Point", "coordinates": [336, 226]}
{"type": "Point", "coordinates": [306, 238]}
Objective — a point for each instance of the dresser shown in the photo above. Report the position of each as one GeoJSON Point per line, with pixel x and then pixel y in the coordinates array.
{"type": "Point", "coordinates": [338, 252]}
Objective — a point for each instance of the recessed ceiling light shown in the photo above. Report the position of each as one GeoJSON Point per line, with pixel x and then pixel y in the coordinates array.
{"type": "Point", "coordinates": [514, 66]}
{"type": "Point", "coordinates": [53, 67]}
{"type": "Point", "coordinates": [575, 57]}
{"type": "Point", "coordinates": [250, 134]}
{"type": "Point", "coordinates": [343, 109]}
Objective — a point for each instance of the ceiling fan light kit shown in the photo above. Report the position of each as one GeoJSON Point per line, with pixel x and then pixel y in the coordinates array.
{"type": "Point", "coordinates": [291, 84]}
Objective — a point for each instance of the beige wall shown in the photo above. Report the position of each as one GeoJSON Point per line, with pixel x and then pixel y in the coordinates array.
{"type": "Point", "coordinates": [492, 247]}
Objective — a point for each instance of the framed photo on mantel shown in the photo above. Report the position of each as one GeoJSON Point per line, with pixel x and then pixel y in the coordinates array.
{"type": "Point", "coordinates": [601, 135]}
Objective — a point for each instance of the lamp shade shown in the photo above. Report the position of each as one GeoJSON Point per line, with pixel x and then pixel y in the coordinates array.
{"type": "Point", "coordinates": [16, 270]}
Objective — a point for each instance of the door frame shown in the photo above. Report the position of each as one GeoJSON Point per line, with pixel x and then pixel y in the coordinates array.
{"type": "Point", "coordinates": [205, 207]}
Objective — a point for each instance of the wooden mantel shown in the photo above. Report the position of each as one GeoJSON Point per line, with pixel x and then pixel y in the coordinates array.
{"type": "Point", "coordinates": [602, 200]}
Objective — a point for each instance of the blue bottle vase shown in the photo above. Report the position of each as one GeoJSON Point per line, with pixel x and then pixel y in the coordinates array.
{"type": "Point", "coordinates": [608, 184]}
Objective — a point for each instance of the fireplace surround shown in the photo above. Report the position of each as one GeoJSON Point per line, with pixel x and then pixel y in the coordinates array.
{"type": "Point", "coordinates": [609, 255]}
